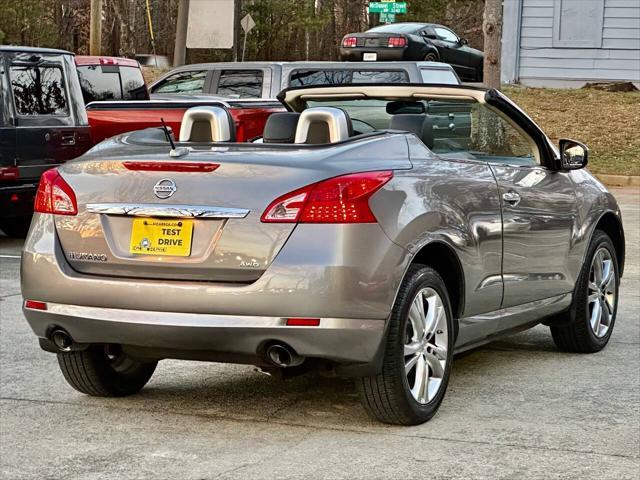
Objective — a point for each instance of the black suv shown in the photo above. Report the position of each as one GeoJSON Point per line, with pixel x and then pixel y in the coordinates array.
{"type": "Point", "coordinates": [43, 123]}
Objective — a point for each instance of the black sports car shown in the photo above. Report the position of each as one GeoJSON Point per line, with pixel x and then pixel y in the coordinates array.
{"type": "Point", "coordinates": [414, 41]}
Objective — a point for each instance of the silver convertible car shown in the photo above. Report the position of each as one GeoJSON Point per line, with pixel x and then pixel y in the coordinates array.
{"type": "Point", "coordinates": [373, 232]}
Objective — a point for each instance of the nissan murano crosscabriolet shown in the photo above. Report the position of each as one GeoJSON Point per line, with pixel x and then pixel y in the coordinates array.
{"type": "Point", "coordinates": [373, 232]}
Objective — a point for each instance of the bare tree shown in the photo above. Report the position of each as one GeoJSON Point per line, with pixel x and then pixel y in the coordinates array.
{"type": "Point", "coordinates": [492, 28]}
{"type": "Point", "coordinates": [95, 30]}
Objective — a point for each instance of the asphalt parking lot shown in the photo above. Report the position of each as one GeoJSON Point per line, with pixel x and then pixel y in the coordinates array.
{"type": "Point", "coordinates": [516, 408]}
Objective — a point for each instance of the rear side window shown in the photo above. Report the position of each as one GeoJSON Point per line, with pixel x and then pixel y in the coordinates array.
{"type": "Point", "coordinates": [183, 82]}
{"type": "Point", "coordinates": [99, 83]}
{"type": "Point", "coordinates": [38, 89]}
{"type": "Point", "coordinates": [434, 75]}
{"type": "Point", "coordinates": [133, 86]}
{"type": "Point", "coordinates": [111, 82]}
{"type": "Point", "coordinates": [240, 84]}
{"type": "Point", "coordinates": [340, 77]}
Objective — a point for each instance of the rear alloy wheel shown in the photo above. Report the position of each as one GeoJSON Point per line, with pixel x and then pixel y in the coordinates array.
{"type": "Point", "coordinates": [431, 57]}
{"type": "Point", "coordinates": [105, 371]}
{"type": "Point", "coordinates": [595, 303]}
{"type": "Point", "coordinates": [418, 353]}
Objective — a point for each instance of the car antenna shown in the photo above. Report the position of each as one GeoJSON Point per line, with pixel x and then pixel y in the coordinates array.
{"type": "Point", "coordinates": [174, 152]}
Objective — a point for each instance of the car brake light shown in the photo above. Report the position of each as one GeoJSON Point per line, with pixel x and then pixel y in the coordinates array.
{"type": "Point", "coordinates": [9, 173]}
{"type": "Point", "coordinates": [171, 166]}
{"type": "Point", "coordinates": [397, 42]}
{"type": "Point", "coordinates": [55, 195]}
{"type": "Point", "coordinates": [349, 42]}
{"type": "Point", "coordinates": [343, 199]}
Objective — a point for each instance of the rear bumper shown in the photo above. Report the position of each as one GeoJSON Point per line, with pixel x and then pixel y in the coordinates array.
{"type": "Point", "coordinates": [185, 335]}
{"type": "Point", "coordinates": [383, 54]}
{"type": "Point", "coordinates": [312, 276]}
{"type": "Point", "coordinates": [17, 200]}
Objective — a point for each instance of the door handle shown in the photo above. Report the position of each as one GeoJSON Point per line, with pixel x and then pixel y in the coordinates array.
{"type": "Point", "coordinates": [511, 197]}
{"type": "Point", "coordinates": [68, 139]}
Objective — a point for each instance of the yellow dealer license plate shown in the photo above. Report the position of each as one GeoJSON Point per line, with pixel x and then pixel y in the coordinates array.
{"type": "Point", "coordinates": [155, 236]}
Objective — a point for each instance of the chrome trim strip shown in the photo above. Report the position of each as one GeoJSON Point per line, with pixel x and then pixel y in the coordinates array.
{"type": "Point", "coordinates": [179, 319]}
{"type": "Point", "coordinates": [155, 210]}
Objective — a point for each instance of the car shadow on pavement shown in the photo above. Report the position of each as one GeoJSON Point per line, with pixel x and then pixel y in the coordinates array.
{"type": "Point", "coordinates": [241, 392]}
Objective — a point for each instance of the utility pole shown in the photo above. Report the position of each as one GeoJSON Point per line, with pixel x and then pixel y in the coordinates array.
{"type": "Point", "coordinates": [492, 28]}
{"type": "Point", "coordinates": [95, 28]}
{"type": "Point", "coordinates": [180, 49]}
{"type": "Point", "coordinates": [237, 11]}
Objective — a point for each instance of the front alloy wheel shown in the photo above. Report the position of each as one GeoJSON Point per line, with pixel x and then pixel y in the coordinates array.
{"type": "Point", "coordinates": [602, 292]}
{"type": "Point", "coordinates": [587, 326]}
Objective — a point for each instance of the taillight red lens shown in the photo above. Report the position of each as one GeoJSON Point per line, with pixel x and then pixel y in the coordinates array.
{"type": "Point", "coordinates": [397, 42]}
{"type": "Point", "coordinates": [9, 173]}
{"type": "Point", "coordinates": [342, 199]}
{"type": "Point", "coordinates": [349, 42]}
{"type": "Point", "coordinates": [55, 195]}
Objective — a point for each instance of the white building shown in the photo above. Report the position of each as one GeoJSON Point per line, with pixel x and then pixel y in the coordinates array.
{"type": "Point", "coordinates": [566, 43]}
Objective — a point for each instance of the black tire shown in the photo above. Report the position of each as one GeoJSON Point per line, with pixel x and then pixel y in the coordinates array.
{"type": "Point", "coordinates": [387, 397]}
{"type": "Point", "coordinates": [431, 57]}
{"type": "Point", "coordinates": [17, 227]}
{"type": "Point", "coordinates": [104, 371]}
{"type": "Point", "coordinates": [573, 332]}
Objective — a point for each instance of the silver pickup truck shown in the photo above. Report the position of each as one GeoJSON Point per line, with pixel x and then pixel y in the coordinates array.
{"type": "Point", "coordinates": [266, 79]}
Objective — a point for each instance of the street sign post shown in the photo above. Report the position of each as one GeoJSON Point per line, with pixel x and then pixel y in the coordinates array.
{"type": "Point", "coordinates": [247, 23]}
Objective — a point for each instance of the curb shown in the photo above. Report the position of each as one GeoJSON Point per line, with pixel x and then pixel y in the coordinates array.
{"type": "Point", "coordinates": [619, 180]}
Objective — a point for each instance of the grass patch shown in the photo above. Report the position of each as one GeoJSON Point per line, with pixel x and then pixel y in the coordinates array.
{"type": "Point", "coordinates": [608, 122]}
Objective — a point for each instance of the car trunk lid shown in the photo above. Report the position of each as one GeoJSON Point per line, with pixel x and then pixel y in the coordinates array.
{"type": "Point", "coordinates": [221, 208]}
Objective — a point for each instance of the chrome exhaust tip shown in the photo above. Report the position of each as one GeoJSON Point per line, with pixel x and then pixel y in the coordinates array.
{"type": "Point", "coordinates": [282, 356]}
{"type": "Point", "coordinates": [62, 340]}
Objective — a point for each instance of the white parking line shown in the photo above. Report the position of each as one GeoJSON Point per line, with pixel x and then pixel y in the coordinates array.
{"type": "Point", "coordinates": [9, 256]}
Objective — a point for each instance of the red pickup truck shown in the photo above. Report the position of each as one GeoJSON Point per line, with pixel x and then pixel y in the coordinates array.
{"type": "Point", "coordinates": [112, 118]}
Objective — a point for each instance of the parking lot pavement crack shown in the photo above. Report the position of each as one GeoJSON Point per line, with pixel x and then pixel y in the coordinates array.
{"type": "Point", "coordinates": [270, 419]}
{"type": "Point", "coordinates": [235, 470]}
{"type": "Point", "coordinates": [10, 295]}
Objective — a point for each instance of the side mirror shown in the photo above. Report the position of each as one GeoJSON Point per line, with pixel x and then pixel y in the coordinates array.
{"type": "Point", "coordinates": [463, 42]}
{"type": "Point", "coordinates": [573, 154]}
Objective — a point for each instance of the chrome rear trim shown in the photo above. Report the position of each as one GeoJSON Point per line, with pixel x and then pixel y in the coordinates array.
{"type": "Point", "coordinates": [154, 210]}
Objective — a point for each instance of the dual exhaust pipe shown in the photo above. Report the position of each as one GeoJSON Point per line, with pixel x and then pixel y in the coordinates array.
{"type": "Point", "coordinates": [277, 354]}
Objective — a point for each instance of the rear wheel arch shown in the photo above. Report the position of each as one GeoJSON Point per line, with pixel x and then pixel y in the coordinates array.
{"type": "Point", "coordinates": [442, 258]}
{"type": "Point", "coordinates": [610, 224]}
{"type": "Point", "coordinates": [432, 50]}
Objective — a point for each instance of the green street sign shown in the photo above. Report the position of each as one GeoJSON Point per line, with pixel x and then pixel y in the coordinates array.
{"type": "Point", "coordinates": [387, 7]}
{"type": "Point", "coordinates": [387, 17]}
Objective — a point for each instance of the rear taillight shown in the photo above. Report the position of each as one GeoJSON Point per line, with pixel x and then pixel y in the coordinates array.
{"type": "Point", "coordinates": [9, 173]}
{"type": "Point", "coordinates": [397, 42]}
{"type": "Point", "coordinates": [55, 195]}
{"type": "Point", "coordinates": [349, 42]}
{"type": "Point", "coordinates": [342, 199]}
